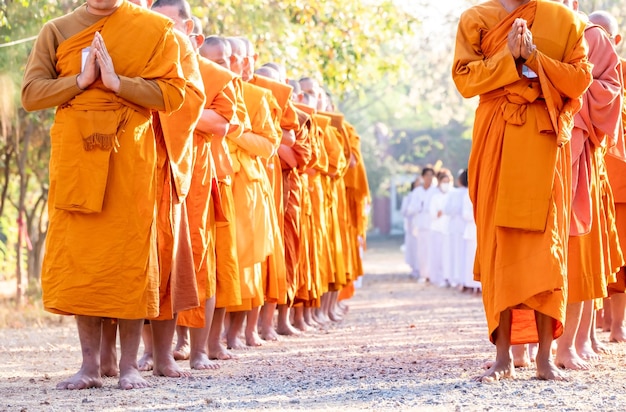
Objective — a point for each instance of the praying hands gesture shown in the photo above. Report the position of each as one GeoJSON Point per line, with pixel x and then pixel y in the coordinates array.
{"type": "Point", "coordinates": [98, 64]}
{"type": "Point", "coordinates": [520, 40]}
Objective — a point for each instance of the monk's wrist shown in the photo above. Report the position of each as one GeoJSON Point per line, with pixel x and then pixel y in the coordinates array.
{"type": "Point", "coordinates": [78, 83]}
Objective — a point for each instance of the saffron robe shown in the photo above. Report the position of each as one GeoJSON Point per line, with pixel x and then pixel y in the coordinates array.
{"type": "Point", "coordinates": [520, 164]}
{"type": "Point", "coordinates": [107, 257]}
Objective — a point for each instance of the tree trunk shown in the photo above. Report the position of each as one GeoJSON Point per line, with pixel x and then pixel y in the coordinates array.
{"type": "Point", "coordinates": [22, 155]}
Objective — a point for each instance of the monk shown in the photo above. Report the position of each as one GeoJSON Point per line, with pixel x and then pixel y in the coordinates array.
{"type": "Point", "coordinates": [596, 127]}
{"type": "Point", "coordinates": [616, 169]}
{"type": "Point", "coordinates": [254, 212]}
{"type": "Point", "coordinates": [220, 119]}
{"type": "Point", "coordinates": [528, 57]}
{"type": "Point", "coordinates": [228, 291]}
{"type": "Point", "coordinates": [97, 264]}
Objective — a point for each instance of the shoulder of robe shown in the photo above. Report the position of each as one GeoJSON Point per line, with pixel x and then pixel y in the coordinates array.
{"type": "Point", "coordinates": [252, 93]}
{"type": "Point", "coordinates": [303, 117]}
{"type": "Point", "coordinates": [281, 91]}
{"type": "Point", "coordinates": [149, 23]}
{"type": "Point", "coordinates": [322, 120]}
{"type": "Point", "coordinates": [307, 109]}
{"type": "Point", "coordinates": [336, 119]}
{"type": "Point", "coordinates": [214, 73]}
{"type": "Point", "coordinates": [563, 15]}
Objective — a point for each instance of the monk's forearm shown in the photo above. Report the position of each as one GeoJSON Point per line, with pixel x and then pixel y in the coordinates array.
{"type": "Point", "coordinates": [42, 93]}
{"type": "Point", "coordinates": [255, 144]}
{"type": "Point", "coordinates": [142, 92]}
{"type": "Point", "coordinates": [476, 77]}
{"type": "Point", "coordinates": [287, 155]}
{"type": "Point", "coordinates": [288, 138]}
{"type": "Point", "coordinates": [212, 123]}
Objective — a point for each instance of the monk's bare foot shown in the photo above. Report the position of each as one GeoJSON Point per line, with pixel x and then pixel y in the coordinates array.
{"type": "Point", "coordinates": [547, 371]}
{"type": "Point", "coordinates": [181, 352]}
{"type": "Point", "coordinates": [587, 353]}
{"type": "Point", "coordinates": [109, 368]}
{"type": "Point", "coordinates": [84, 379]}
{"type": "Point", "coordinates": [618, 335]}
{"type": "Point", "coordinates": [335, 316]}
{"type": "Point", "coordinates": [302, 326]}
{"type": "Point", "coordinates": [253, 339]}
{"type": "Point", "coordinates": [287, 330]}
{"type": "Point", "coordinates": [146, 363]}
{"type": "Point", "coordinates": [268, 334]}
{"type": "Point", "coordinates": [569, 359]}
{"type": "Point", "coordinates": [132, 379]}
{"type": "Point", "coordinates": [343, 307]}
{"type": "Point", "coordinates": [498, 371]}
{"type": "Point", "coordinates": [169, 368]}
{"type": "Point", "coordinates": [236, 344]}
{"type": "Point", "coordinates": [201, 362]}
{"type": "Point", "coordinates": [521, 358]}
{"type": "Point", "coordinates": [600, 348]}
{"type": "Point", "coordinates": [321, 318]}
{"type": "Point", "coordinates": [221, 353]}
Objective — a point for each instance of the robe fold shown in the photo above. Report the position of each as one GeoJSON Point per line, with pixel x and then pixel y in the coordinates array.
{"type": "Point", "coordinates": [520, 161]}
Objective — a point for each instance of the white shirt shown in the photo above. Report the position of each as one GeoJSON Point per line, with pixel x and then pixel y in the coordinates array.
{"type": "Point", "coordinates": [419, 206]}
{"type": "Point", "coordinates": [468, 216]}
{"type": "Point", "coordinates": [438, 202]}
{"type": "Point", "coordinates": [454, 209]}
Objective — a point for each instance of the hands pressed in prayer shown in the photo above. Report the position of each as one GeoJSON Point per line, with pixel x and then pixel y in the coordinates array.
{"type": "Point", "coordinates": [90, 71]}
{"type": "Point", "coordinates": [110, 79]}
{"type": "Point", "coordinates": [515, 38]}
{"type": "Point", "coordinates": [527, 46]}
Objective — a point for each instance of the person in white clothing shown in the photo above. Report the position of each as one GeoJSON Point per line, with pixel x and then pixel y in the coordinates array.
{"type": "Point", "coordinates": [470, 243]}
{"type": "Point", "coordinates": [454, 210]}
{"type": "Point", "coordinates": [440, 263]}
{"type": "Point", "coordinates": [419, 208]}
{"type": "Point", "coordinates": [410, 232]}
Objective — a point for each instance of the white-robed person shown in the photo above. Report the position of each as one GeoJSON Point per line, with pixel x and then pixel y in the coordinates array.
{"type": "Point", "coordinates": [469, 236]}
{"type": "Point", "coordinates": [440, 259]}
{"type": "Point", "coordinates": [410, 231]}
{"type": "Point", "coordinates": [419, 208]}
{"type": "Point", "coordinates": [454, 210]}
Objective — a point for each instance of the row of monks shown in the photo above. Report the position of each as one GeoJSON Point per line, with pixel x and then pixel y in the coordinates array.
{"type": "Point", "coordinates": [547, 179]}
{"type": "Point", "coordinates": [260, 199]}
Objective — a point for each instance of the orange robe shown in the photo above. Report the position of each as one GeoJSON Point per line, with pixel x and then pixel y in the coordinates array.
{"type": "Point", "coordinates": [315, 232]}
{"type": "Point", "coordinates": [594, 254]}
{"type": "Point", "coordinates": [179, 289]}
{"type": "Point", "coordinates": [207, 199]}
{"type": "Point", "coordinates": [101, 248]}
{"type": "Point", "coordinates": [255, 238]}
{"type": "Point", "coordinates": [521, 187]}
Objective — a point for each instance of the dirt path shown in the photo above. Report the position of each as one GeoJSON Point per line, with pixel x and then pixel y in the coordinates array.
{"type": "Point", "coordinates": [403, 346]}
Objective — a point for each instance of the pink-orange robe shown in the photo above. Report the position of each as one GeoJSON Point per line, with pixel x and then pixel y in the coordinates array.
{"type": "Point", "coordinates": [520, 162]}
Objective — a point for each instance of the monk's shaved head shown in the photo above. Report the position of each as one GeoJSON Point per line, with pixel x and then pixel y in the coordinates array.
{"type": "Point", "coordinates": [197, 25]}
{"type": "Point", "coordinates": [282, 72]}
{"type": "Point", "coordinates": [607, 22]}
{"type": "Point", "coordinates": [216, 49]}
{"type": "Point", "coordinates": [178, 11]}
{"type": "Point", "coordinates": [266, 71]}
{"type": "Point", "coordinates": [249, 60]}
{"type": "Point", "coordinates": [295, 86]}
{"type": "Point", "coordinates": [184, 11]}
{"type": "Point", "coordinates": [237, 56]}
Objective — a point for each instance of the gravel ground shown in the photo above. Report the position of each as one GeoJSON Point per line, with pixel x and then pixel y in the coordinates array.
{"type": "Point", "coordinates": [403, 346]}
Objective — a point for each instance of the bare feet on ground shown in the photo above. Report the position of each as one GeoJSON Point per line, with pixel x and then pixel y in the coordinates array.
{"type": "Point", "coordinates": [83, 379]}
{"type": "Point", "coordinates": [287, 330]}
{"type": "Point", "coordinates": [586, 352]}
{"type": "Point", "coordinates": [181, 352]}
{"type": "Point", "coordinates": [600, 348]}
{"type": "Point", "coordinates": [236, 344]}
{"type": "Point", "coordinates": [220, 353]}
{"type": "Point", "coordinates": [132, 379]}
{"type": "Point", "coordinates": [253, 339]}
{"type": "Point", "coordinates": [268, 334]}
{"type": "Point", "coordinates": [498, 371]}
{"type": "Point", "coordinates": [108, 365]}
{"type": "Point", "coordinates": [302, 326]}
{"type": "Point", "coordinates": [618, 335]}
{"type": "Point", "coordinates": [170, 369]}
{"type": "Point", "coordinates": [547, 371]}
{"type": "Point", "coordinates": [569, 359]}
{"type": "Point", "coordinates": [201, 362]}
{"type": "Point", "coordinates": [146, 363]}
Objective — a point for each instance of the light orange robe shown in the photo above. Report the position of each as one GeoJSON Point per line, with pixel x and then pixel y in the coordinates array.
{"type": "Point", "coordinates": [181, 287]}
{"type": "Point", "coordinates": [255, 238]}
{"type": "Point", "coordinates": [203, 207]}
{"type": "Point", "coordinates": [520, 186]}
{"type": "Point", "coordinates": [594, 254]}
{"type": "Point", "coordinates": [101, 255]}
